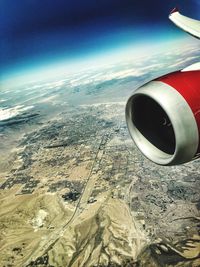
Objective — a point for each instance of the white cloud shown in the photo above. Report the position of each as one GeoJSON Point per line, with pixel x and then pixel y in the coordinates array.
{"type": "Point", "coordinates": [7, 113]}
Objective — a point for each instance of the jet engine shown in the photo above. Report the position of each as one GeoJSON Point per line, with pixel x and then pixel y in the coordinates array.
{"type": "Point", "coordinates": [163, 117]}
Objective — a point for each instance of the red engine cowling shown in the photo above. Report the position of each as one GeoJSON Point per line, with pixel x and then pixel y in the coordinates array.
{"type": "Point", "coordinates": [163, 118]}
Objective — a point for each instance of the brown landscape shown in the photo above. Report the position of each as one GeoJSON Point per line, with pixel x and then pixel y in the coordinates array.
{"type": "Point", "coordinates": [84, 196]}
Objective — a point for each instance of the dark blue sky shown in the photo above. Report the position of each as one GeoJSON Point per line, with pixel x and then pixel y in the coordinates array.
{"type": "Point", "coordinates": [37, 31]}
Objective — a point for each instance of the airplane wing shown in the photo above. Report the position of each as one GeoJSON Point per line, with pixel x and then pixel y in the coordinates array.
{"type": "Point", "coordinates": [189, 25]}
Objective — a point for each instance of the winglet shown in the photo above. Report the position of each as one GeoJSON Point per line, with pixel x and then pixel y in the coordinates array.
{"type": "Point", "coordinates": [174, 10]}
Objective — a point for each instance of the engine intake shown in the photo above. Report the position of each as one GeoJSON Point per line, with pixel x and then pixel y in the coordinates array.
{"type": "Point", "coordinates": [163, 118]}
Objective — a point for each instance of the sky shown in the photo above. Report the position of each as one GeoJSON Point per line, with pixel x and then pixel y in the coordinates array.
{"type": "Point", "coordinates": [35, 33]}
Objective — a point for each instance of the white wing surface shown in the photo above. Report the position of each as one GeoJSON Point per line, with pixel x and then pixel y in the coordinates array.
{"type": "Point", "coordinates": [189, 25]}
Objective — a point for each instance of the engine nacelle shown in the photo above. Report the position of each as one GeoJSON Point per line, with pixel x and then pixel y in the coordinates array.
{"type": "Point", "coordinates": [163, 118]}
